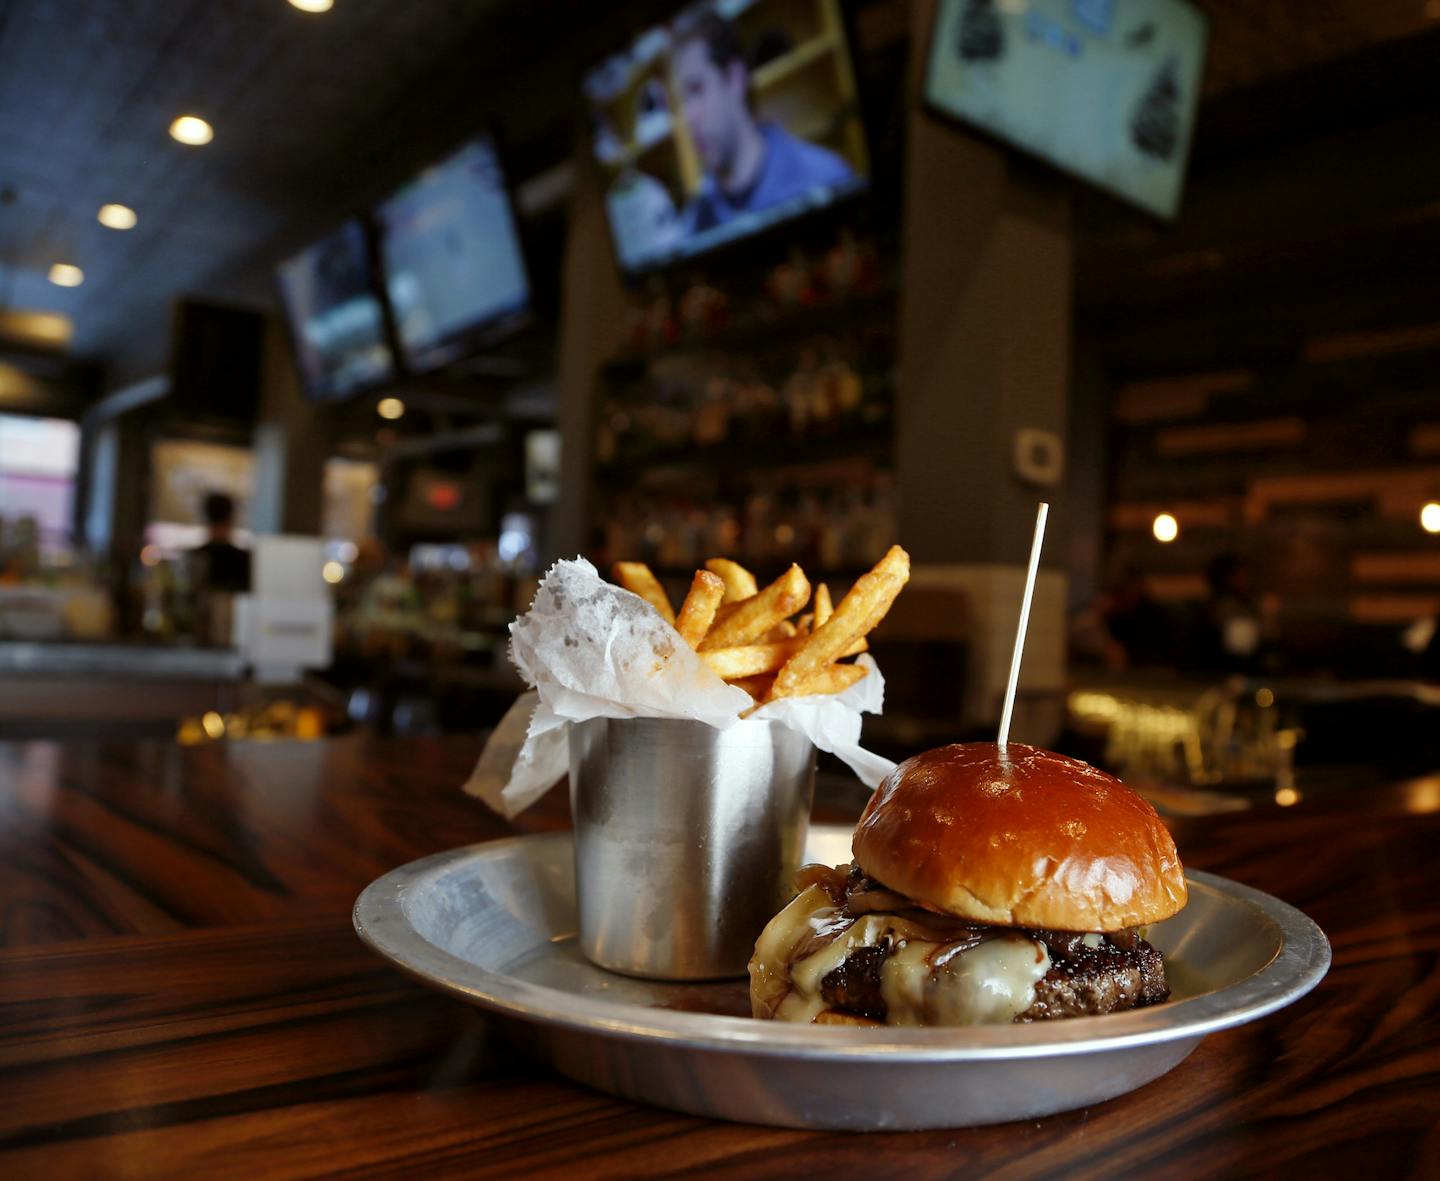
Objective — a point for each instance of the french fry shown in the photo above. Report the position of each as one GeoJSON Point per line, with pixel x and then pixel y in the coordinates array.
{"type": "Point", "coordinates": [757, 686]}
{"type": "Point", "coordinates": [856, 615]}
{"type": "Point", "coordinates": [726, 610]}
{"type": "Point", "coordinates": [746, 660]}
{"type": "Point", "coordinates": [697, 612]}
{"type": "Point", "coordinates": [639, 579]}
{"type": "Point", "coordinates": [823, 607]}
{"type": "Point", "coordinates": [759, 613]}
{"type": "Point", "coordinates": [834, 678]}
{"type": "Point", "coordinates": [739, 582]}
{"type": "Point", "coordinates": [746, 635]}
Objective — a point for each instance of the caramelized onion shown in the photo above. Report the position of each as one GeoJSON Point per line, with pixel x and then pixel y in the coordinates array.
{"type": "Point", "coordinates": [878, 898]}
{"type": "Point", "coordinates": [830, 879]}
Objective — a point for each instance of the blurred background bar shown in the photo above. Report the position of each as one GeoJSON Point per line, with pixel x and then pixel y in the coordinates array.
{"type": "Point", "coordinates": [322, 333]}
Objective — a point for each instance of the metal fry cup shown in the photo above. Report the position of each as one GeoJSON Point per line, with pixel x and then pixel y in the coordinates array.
{"type": "Point", "coordinates": [687, 839]}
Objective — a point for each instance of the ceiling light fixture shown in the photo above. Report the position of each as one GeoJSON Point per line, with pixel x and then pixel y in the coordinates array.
{"type": "Point", "coordinates": [1165, 527]}
{"type": "Point", "coordinates": [313, 5]}
{"type": "Point", "coordinates": [64, 274]}
{"type": "Point", "coordinates": [1430, 518]}
{"type": "Point", "coordinates": [391, 408]}
{"type": "Point", "coordinates": [117, 217]}
{"type": "Point", "coordinates": [192, 130]}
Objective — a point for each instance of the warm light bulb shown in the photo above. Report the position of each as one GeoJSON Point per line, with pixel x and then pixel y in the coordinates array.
{"type": "Point", "coordinates": [390, 408]}
{"type": "Point", "coordinates": [117, 217]}
{"type": "Point", "coordinates": [1287, 796]}
{"type": "Point", "coordinates": [64, 274]}
{"type": "Point", "coordinates": [332, 572]}
{"type": "Point", "coordinates": [313, 5]}
{"type": "Point", "coordinates": [1430, 518]}
{"type": "Point", "coordinates": [193, 130]}
{"type": "Point", "coordinates": [1166, 528]}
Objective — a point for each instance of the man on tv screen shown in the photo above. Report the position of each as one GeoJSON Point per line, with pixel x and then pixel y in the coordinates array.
{"type": "Point", "coordinates": [749, 165]}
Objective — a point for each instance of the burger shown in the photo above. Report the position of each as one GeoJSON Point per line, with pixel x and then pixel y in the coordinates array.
{"type": "Point", "coordinates": [989, 885]}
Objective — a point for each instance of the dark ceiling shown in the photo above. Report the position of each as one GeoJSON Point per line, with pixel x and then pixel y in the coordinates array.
{"type": "Point", "coordinates": [316, 115]}
{"type": "Point", "coordinates": [1313, 207]}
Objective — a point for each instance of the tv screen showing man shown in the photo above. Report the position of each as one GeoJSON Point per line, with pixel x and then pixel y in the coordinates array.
{"type": "Point", "coordinates": [750, 163]}
{"type": "Point", "coordinates": [729, 119]}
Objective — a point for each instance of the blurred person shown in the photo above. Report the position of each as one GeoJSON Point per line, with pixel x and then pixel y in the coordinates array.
{"type": "Point", "coordinates": [1423, 638]}
{"type": "Point", "coordinates": [219, 564]}
{"type": "Point", "coordinates": [749, 165]}
{"type": "Point", "coordinates": [1125, 626]}
{"type": "Point", "coordinates": [1230, 626]}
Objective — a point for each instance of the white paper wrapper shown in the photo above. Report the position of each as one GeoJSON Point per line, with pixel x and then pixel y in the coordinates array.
{"type": "Point", "coordinates": [589, 649]}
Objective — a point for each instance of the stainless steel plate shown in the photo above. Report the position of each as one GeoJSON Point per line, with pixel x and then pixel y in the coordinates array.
{"type": "Point", "coordinates": [495, 923]}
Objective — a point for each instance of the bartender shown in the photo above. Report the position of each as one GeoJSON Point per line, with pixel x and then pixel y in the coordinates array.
{"type": "Point", "coordinates": [219, 564]}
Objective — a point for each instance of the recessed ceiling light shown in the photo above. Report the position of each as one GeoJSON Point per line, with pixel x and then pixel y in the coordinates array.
{"type": "Point", "coordinates": [117, 217]}
{"type": "Point", "coordinates": [191, 129]}
{"type": "Point", "coordinates": [64, 274]}
{"type": "Point", "coordinates": [313, 5]}
{"type": "Point", "coordinates": [391, 408]}
{"type": "Point", "coordinates": [1165, 527]}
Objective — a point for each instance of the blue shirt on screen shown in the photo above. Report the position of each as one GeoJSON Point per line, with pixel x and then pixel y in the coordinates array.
{"type": "Point", "coordinates": [792, 168]}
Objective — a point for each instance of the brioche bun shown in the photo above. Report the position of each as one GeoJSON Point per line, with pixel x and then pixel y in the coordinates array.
{"type": "Point", "coordinates": [1020, 838]}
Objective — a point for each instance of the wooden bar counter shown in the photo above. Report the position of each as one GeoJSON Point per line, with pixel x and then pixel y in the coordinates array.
{"type": "Point", "coordinates": [181, 995]}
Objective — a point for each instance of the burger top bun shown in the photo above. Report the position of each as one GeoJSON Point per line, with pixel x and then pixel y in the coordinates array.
{"type": "Point", "coordinates": [1020, 838]}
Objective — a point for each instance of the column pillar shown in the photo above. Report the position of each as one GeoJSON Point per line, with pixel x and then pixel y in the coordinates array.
{"type": "Point", "coordinates": [292, 443]}
{"type": "Point", "coordinates": [592, 313]}
{"type": "Point", "coordinates": [984, 391]}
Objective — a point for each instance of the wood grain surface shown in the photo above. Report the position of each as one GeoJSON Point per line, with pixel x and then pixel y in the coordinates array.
{"type": "Point", "coordinates": [181, 996]}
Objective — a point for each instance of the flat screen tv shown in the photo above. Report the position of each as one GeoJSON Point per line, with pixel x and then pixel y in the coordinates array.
{"type": "Point", "coordinates": [729, 118]}
{"type": "Point", "coordinates": [1104, 89]}
{"type": "Point", "coordinates": [336, 318]}
{"type": "Point", "coordinates": [215, 359]}
{"type": "Point", "coordinates": [450, 252]}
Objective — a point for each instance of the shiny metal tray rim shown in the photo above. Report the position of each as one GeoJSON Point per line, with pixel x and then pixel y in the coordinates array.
{"type": "Point", "coordinates": [1304, 957]}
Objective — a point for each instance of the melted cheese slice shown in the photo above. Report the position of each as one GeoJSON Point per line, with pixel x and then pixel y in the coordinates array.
{"type": "Point", "coordinates": [921, 984]}
{"type": "Point", "coordinates": [991, 984]}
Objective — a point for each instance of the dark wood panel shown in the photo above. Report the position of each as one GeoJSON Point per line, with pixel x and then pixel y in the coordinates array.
{"type": "Point", "coordinates": [115, 838]}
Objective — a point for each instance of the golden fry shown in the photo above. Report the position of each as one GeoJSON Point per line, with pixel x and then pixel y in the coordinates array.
{"type": "Point", "coordinates": [759, 613]}
{"type": "Point", "coordinates": [856, 615]}
{"type": "Point", "coordinates": [757, 686]}
{"type": "Point", "coordinates": [823, 607]}
{"type": "Point", "coordinates": [834, 678]}
{"type": "Point", "coordinates": [746, 636]}
{"type": "Point", "coordinates": [746, 660]}
{"type": "Point", "coordinates": [728, 609]}
{"type": "Point", "coordinates": [739, 582]}
{"type": "Point", "coordinates": [639, 579]}
{"type": "Point", "coordinates": [697, 612]}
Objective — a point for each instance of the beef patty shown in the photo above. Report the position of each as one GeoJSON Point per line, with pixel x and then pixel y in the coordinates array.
{"type": "Point", "coordinates": [1089, 974]}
